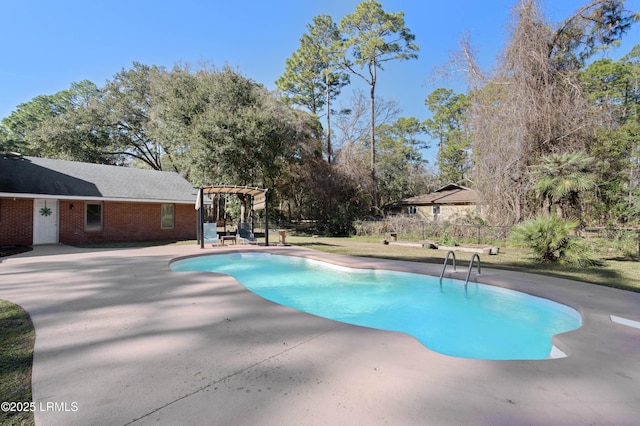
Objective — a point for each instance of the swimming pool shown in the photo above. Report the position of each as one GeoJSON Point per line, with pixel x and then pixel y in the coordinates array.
{"type": "Point", "coordinates": [486, 322]}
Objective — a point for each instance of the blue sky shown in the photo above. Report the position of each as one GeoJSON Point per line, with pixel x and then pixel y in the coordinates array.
{"type": "Point", "coordinates": [47, 44]}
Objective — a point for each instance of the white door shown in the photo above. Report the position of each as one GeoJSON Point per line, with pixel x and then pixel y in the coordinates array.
{"type": "Point", "coordinates": [45, 221]}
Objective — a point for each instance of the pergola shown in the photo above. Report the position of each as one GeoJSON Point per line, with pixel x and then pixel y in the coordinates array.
{"type": "Point", "coordinates": [259, 198]}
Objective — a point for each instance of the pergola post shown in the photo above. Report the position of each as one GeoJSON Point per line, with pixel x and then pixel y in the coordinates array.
{"type": "Point", "coordinates": [201, 216]}
{"type": "Point", "coordinates": [266, 217]}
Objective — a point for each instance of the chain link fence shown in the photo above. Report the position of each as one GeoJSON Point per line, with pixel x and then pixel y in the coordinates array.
{"type": "Point", "coordinates": [625, 241]}
{"type": "Point", "coordinates": [408, 228]}
{"type": "Point", "coordinates": [617, 240]}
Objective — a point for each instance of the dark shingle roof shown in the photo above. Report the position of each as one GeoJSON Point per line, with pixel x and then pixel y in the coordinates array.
{"type": "Point", "coordinates": [45, 176]}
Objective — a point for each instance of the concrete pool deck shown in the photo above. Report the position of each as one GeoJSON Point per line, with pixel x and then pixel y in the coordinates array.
{"type": "Point", "coordinates": [120, 339]}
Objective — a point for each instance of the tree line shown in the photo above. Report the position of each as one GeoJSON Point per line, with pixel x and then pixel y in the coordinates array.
{"type": "Point", "coordinates": [546, 118]}
{"type": "Point", "coordinates": [553, 128]}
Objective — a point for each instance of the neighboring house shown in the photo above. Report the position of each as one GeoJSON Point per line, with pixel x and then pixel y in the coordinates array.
{"type": "Point", "coordinates": [443, 204]}
{"type": "Point", "coordinates": [46, 201]}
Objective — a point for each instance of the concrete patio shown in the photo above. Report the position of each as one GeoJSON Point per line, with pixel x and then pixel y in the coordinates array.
{"type": "Point", "coordinates": [123, 340]}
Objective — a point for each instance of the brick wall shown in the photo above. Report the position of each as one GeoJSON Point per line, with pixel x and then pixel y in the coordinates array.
{"type": "Point", "coordinates": [16, 222]}
{"type": "Point", "coordinates": [121, 222]}
{"type": "Point", "coordinates": [71, 222]}
{"type": "Point", "coordinates": [125, 222]}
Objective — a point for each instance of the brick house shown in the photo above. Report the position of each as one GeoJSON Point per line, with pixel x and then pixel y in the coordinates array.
{"type": "Point", "coordinates": [47, 201]}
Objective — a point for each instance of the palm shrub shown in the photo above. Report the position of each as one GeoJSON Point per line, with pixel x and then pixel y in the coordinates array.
{"type": "Point", "coordinates": [560, 178]}
{"type": "Point", "coordinates": [552, 239]}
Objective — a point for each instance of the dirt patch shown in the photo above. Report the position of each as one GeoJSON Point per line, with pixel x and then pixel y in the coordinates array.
{"type": "Point", "coordinates": [11, 250]}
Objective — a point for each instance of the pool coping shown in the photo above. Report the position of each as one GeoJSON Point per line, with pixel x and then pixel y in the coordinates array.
{"type": "Point", "coordinates": [132, 342]}
{"type": "Point", "coordinates": [558, 349]}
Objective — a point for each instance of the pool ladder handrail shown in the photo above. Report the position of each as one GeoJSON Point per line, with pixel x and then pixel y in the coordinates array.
{"type": "Point", "coordinates": [444, 265]}
{"type": "Point", "coordinates": [466, 281]}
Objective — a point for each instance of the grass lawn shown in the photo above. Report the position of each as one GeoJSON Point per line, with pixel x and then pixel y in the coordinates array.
{"type": "Point", "coordinates": [16, 356]}
{"type": "Point", "coordinates": [614, 270]}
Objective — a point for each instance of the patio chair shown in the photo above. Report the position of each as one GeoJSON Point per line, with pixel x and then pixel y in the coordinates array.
{"type": "Point", "coordinates": [245, 236]}
{"type": "Point", "coordinates": [211, 234]}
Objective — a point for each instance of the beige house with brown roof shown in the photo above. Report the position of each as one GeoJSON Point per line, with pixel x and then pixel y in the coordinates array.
{"type": "Point", "coordinates": [443, 204]}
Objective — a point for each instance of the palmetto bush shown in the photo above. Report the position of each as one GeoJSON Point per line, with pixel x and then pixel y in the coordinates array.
{"type": "Point", "coordinates": [552, 239]}
{"type": "Point", "coordinates": [561, 178]}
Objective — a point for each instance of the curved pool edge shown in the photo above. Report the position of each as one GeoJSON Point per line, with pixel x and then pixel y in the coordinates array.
{"type": "Point", "coordinates": [520, 281]}
{"type": "Point", "coordinates": [561, 344]}
{"type": "Point", "coordinates": [324, 374]}
{"type": "Point", "coordinates": [594, 339]}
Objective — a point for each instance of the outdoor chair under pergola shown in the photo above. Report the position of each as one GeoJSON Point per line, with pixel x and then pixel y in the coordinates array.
{"type": "Point", "coordinates": [259, 201]}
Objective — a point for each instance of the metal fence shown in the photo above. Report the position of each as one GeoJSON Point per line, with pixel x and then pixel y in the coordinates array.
{"type": "Point", "coordinates": [409, 228]}
{"type": "Point", "coordinates": [624, 241]}
{"type": "Point", "coordinates": [621, 240]}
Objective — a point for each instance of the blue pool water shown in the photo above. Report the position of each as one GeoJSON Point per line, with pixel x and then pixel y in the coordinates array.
{"type": "Point", "coordinates": [485, 322]}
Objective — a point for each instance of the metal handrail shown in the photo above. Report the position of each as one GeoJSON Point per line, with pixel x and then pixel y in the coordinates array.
{"type": "Point", "coordinates": [444, 265]}
{"type": "Point", "coordinates": [466, 281]}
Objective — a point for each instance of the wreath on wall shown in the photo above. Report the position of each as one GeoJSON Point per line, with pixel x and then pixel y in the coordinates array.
{"type": "Point", "coordinates": [45, 211]}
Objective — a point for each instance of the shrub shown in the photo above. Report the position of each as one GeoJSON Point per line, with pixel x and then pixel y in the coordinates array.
{"type": "Point", "coordinates": [626, 242]}
{"type": "Point", "coordinates": [552, 239]}
{"type": "Point", "coordinates": [447, 241]}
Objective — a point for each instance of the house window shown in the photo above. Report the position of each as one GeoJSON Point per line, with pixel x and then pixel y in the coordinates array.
{"type": "Point", "coordinates": [435, 210]}
{"type": "Point", "coordinates": [167, 217]}
{"type": "Point", "coordinates": [93, 217]}
{"type": "Point", "coordinates": [411, 210]}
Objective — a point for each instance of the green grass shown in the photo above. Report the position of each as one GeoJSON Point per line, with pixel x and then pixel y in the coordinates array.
{"type": "Point", "coordinates": [16, 357]}
{"type": "Point", "coordinates": [614, 270]}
